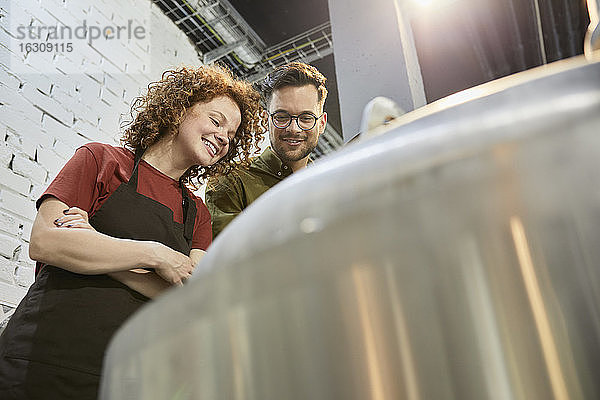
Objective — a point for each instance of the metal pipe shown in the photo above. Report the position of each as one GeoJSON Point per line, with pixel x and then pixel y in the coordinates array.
{"type": "Point", "coordinates": [538, 19]}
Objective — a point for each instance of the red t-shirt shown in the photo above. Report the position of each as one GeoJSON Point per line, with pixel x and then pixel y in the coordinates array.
{"type": "Point", "coordinates": [96, 171]}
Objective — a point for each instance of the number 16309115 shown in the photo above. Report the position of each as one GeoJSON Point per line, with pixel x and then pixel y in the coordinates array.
{"type": "Point", "coordinates": [46, 47]}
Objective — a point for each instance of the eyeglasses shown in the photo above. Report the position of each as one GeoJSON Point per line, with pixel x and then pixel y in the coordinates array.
{"type": "Point", "coordinates": [306, 120]}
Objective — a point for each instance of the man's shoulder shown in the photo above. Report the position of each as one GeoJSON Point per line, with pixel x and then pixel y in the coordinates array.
{"type": "Point", "coordinates": [236, 175]}
{"type": "Point", "coordinates": [224, 181]}
{"type": "Point", "coordinates": [255, 167]}
{"type": "Point", "coordinates": [242, 175]}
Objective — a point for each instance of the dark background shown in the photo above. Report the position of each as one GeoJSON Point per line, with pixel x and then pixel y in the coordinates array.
{"type": "Point", "coordinates": [460, 43]}
{"type": "Point", "coordinates": [276, 21]}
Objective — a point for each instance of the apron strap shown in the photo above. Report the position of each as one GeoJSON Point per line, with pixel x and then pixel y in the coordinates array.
{"type": "Point", "coordinates": [133, 180]}
{"type": "Point", "coordinates": [188, 217]}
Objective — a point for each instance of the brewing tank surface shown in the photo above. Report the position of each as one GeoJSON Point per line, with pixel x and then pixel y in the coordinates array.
{"type": "Point", "coordinates": [453, 257]}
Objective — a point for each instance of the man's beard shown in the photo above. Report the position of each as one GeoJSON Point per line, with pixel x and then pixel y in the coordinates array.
{"type": "Point", "coordinates": [298, 154]}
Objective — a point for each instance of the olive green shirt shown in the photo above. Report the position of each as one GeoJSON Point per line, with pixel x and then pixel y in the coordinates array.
{"type": "Point", "coordinates": [226, 196]}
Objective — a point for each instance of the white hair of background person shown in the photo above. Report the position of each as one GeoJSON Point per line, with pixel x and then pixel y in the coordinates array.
{"type": "Point", "coordinates": [379, 111]}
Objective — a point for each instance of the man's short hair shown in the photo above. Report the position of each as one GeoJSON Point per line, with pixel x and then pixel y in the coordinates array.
{"type": "Point", "coordinates": [293, 74]}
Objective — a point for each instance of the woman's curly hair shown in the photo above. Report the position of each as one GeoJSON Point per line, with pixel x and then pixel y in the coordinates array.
{"type": "Point", "coordinates": [162, 109]}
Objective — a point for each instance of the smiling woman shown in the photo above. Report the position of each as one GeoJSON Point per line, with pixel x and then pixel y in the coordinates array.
{"type": "Point", "coordinates": [118, 226]}
{"type": "Point", "coordinates": [207, 130]}
{"type": "Point", "coordinates": [165, 105]}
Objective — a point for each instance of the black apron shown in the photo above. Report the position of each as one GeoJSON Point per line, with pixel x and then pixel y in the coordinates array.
{"type": "Point", "coordinates": [53, 346]}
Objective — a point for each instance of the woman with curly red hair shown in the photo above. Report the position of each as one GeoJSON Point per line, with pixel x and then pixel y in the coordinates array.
{"type": "Point", "coordinates": [146, 230]}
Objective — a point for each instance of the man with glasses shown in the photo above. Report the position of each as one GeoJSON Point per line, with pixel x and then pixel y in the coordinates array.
{"type": "Point", "coordinates": [294, 95]}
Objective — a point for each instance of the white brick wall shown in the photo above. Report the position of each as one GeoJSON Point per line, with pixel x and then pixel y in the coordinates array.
{"type": "Point", "coordinates": [53, 102]}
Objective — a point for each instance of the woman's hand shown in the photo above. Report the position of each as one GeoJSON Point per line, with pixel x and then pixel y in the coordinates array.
{"type": "Point", "coordinates": [173, 266]}
{"type": "Point", "coordinates": [83, 250]}
{"type": "Point", "coordinates": [73, 218]}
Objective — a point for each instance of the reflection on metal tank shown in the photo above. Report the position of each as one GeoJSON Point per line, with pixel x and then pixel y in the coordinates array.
{"type": "Point", "coordinates": [454, 257]}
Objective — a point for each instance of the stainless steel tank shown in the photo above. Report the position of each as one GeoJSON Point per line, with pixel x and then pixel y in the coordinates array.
{"type": "Point", "coordinates": [456, 256]}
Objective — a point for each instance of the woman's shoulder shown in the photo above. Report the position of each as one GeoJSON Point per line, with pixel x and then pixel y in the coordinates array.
{"type": "Point", "coordinates": [104, 152]}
